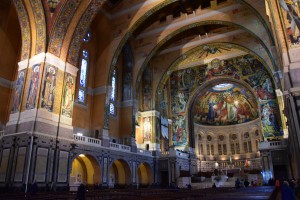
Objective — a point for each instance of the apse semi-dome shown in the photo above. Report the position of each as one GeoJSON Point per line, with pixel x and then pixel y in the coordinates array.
{"type": "Point", "coordinates": [225, 104]}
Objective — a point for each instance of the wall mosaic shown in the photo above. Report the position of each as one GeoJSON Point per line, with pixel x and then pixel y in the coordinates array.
{"type": "Point", "coordinates": [127, 72]}
{"type": "Point", "coordinates": [290, 11]}
{"type": "Point", "coordinates": [80, 31]}
{"type": "Point", "coordinates": [62, 25]}
{"type": "Point", "coordinates": [25, 29]}
{"type": "Point", "coordinates": [49, 85]}
{"type": "Point", "coordinates": [147, 89]}
{"type": "Point", "coordinates": [40, 24]}
{"type": "Point", "coordinates": [68, 96]}
{"type": "Point", "coordinates": [147, 128]}
{"type": "Point", "coordinates": [225, 104]}
{"type": "Point", "coordinates": [33, 87]}
{"type": "Point", "coordinates": [19, 86]}
{"type": "Point", "coordinates": [245, 68]}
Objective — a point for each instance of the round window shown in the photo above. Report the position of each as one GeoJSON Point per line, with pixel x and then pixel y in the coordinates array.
{"type": "Point", "coordinates": [233, 136]}
{"type": "Point", "coordinates": [221, 137]}
{"type": "Point", "coordinates": [209, 138]}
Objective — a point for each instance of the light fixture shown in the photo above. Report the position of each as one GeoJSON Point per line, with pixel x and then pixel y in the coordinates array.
{"type": "Point", "coordinates": [81, 155]}
{"type": "Point", "coordinates": [216, 164]}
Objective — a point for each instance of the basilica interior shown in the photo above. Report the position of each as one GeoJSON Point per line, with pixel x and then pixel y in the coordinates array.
{"type": "Point", "coordinates": [148, 92]}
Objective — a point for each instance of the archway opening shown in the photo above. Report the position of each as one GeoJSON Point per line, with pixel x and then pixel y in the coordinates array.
{"type": "Point", "coordinates": [10, 49]}
{"type": "Point", "coordinates": [119, 174]}
{"type": "Point", "coordinates": [85, 170]}
{"type": "Point", "coordinates": [144, 175]}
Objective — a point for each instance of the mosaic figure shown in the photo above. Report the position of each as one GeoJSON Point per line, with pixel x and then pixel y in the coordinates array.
{"type": "Point", "coordinates": [48, 92]}
{"type": "Point", "coordinates": [147, 128]}
{"type": "Point", "coordinates": [291, 10]}
{"type": "Point", "coordinates": [18, 92]}
{"type": "Point", "coordinates": [230, 105]}
{"type": "Point", "coordinates": [33, 87]}
{"type": "Point", "coordinates": [147, 89]}
{"type": "Point", "coordinates": [68, 97]}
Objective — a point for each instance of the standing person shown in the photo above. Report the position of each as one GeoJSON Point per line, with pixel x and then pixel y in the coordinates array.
{"type": "Point", "coordinates": [246, 183]}
{"type": "Point", "coordinates": [237, 183]}
{"type": "Point", "coordinates": [80, 192]}
{"type": "Point", "coordinates": [277, 184]}
{"type": "Point", "coordinates": [33, 189]}
{"type": "Point", "coordinates": [287, 192]}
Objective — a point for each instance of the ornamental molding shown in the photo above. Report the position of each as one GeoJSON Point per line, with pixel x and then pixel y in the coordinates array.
{"type": "Point", "coordinates": [55, 61]}
{"type": "Point", "coordinates": [149, 113]}
{"type": "Point", "coordinates": [23, 64]}
{"type": "Point", "coordinates": [37, 59]}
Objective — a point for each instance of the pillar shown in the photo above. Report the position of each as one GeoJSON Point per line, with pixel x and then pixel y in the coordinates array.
{"type": "Point", "coordinates": [150, 128]}
{"type": "Point", "coordinates": [46, 103]}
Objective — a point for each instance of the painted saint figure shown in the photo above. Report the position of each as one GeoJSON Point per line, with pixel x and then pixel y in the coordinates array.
{"type": "Point", "coordinates": [33, 87]}
{"type": "Point", "coordinates": [68, 97]}
{"type": "Point", "coordinates": [48, 92]}
{"type": "Point", "coordinates": [18, 92]}
{"type": "Point", "coordinates": [147, 128]}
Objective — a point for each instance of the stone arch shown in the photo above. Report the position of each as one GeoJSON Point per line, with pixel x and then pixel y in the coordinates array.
{"type": "Point", "coordinates": [85, 170]}
{"type": "Point", "coordinates": [260, 18]}
{"type": "Point", "coordinates": [145, 174]}
{"type": "Point", "coordinates": [25, 29]}
{"type": "Point", "coordinates": [62, 23]}
{"type": "Point", "coordinates": [79, 33]}
{"type": "Point", "coordinates": [157, 9]}
{"type": "Point", "coordinates": [187, 27]}
{"type": "Point", "coordinates": [40, 24]}
{"type": "Point", "coordinates": [202, 89]}
{"type": "Point", "coordinates": [183, 56]}
{"type": "Point", "coordinates": [119, 173]}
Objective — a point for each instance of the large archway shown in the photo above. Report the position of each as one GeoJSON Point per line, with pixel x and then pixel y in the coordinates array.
{"type": "Point", "coordinates": [119, 174]}
{"type": "Point", "coordinates": [85, 170]}
{"type": "Point", "coordinates": [144, 175]}
{"type": "Point", "coordinates": [225, 120]}
{"type": "Point", "coordinates": [246, 70]}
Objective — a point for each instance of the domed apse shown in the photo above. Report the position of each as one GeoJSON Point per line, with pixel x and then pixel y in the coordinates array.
{"type": "Point", "coordinates": [225, 104]}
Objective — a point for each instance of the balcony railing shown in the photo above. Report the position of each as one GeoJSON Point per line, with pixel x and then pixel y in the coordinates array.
{"type": "Point", "coordinates": [87, 140]}
{"type": "Point", "coordinates": [272, 145]}
{"type": "Point", "coordinates": [165, 153]}
{"type": "Point", "coordinates": [120, 147]}
{"type": "Point", "coordinates": [145, 152]}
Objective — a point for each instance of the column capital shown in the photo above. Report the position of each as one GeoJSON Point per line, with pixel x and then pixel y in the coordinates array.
{"type": "Point", "coordinates": [56, 61]}
{"type": "Point", "coordinates": [71, 69]}
{"type": "Point", "coordinates": [149, 113]}
{"type": "Point", "coordinates": [37, 59]}
{"type": "Point", "coordinates": [23, 64]}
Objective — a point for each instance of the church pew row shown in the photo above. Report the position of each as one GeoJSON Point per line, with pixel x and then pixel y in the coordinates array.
{"type": "Point", "coordinates": [147, 194]}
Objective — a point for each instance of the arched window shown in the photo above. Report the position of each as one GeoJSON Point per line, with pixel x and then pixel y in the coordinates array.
{"type": "Point", "coordinates": [84, 64]}
{"type": "Point", "coordinates": [83, 77]}
{"type": "Point", "coordinates": [112, 105]}
{"type": "Point", "coordinates": [222, 148]}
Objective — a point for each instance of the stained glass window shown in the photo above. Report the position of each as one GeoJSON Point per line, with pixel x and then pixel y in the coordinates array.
{"type": "Point", "coordinates": [81, 95]}
{"type": "Point", "coordinates": [112, 109]}
{"type": "Point", "coordinates": [83, 77]}
{"type": "Point", "coordinates": [83, 72]}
